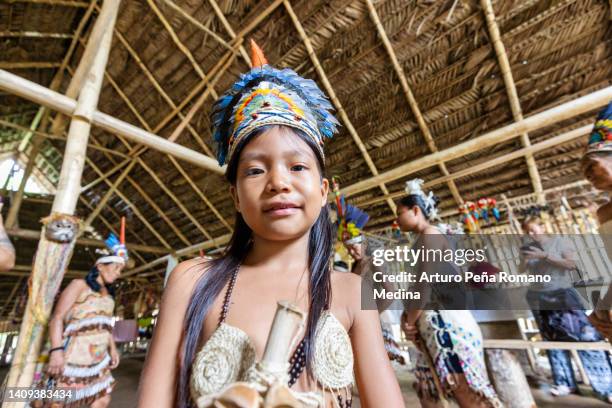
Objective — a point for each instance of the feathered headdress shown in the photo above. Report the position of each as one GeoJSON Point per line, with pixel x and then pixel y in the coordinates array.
{"type": "Point", "coordinates": [269, 96]}
{"type": "Point", "coordinates": [351, 219]}
{"type": "Point", "coordinates": [119, 252]}
{"type": "Point", "coordinates": [600, 139]}
{"type": "Point", "coordinates": [414, 188]}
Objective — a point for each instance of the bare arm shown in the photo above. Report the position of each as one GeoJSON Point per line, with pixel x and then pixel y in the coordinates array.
{"type": "Point", "coordinates": [378, 386]}
{"type": "Point", "coordinates": [7, 251]}
{"type": "Point", "coordinates": [160, 373]}
{"type": "Point", "coordinates": [56, 324]}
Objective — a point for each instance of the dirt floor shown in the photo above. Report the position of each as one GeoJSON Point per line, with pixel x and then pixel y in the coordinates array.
{"type": "Point", "coordinates": [127, 375]}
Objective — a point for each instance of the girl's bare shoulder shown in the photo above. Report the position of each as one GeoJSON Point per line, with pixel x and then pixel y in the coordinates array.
{"type": "Point", "coordinates": [346, 296]}
{"type": "Point", "coordinates": [185, 275]}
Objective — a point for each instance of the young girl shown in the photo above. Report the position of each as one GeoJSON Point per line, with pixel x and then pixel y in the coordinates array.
{"type": "Point", "coordinates": [215, 314]}
{"type": "Point", "coordinates": [452, 338]}
{"type": "Point", "coordinates": [83, 351]}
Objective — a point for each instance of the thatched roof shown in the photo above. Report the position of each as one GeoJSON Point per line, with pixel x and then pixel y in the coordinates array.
{"type": "Point", "coordinates": [557, 50]}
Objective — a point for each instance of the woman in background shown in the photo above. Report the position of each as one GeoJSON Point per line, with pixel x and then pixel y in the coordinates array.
{"type": "Point", "coordinates": [451, 337]}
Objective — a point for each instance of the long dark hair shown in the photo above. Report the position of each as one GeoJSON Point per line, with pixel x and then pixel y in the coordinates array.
{"type": "Point", "coordinates": [417, 200]}
{"type": "Point", "coordinates": [91, 281]}
{"type": "Point", "coordinates": [219, 271]}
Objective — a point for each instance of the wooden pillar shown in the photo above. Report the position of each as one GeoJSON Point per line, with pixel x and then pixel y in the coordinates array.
{"type": "Point", "coordinates": [52, 258]}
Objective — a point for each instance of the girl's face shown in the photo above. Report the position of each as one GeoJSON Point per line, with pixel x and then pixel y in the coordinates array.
{"type": "Point", "coordinates": [409, 218]}
{"type": "Point", "coordinates": [597, 170]}
{"type": "Point", "coordinates": [279, 190]}
{"type": "Point", "coordinates": [110, 272]}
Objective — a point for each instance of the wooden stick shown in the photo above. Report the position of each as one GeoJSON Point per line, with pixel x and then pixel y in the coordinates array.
{"type": "Point", "coordinates": [412, 102]}
{"type": "Point", "coordinates": [65, 3]}
{"type": "Point", "coordinates": [515, 106]}
{"type": "Point", "coordinates": [332, 95]}
{"type": "Point", "coordinates": [228, 28]}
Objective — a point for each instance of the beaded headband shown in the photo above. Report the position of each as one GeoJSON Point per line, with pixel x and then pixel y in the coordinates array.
{"type": "Point", "coordinates": [268, 96]}
{"type": "Point", "coordinates": [600, 139]}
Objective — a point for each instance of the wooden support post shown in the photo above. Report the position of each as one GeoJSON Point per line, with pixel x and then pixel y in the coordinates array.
{"type": "Point", "coordinates": [412, 102]}
{"type": "Point", "coordinates": [515, 106]}
{"type": "Point", "coordinates": [52, 258]}
{"type": "Point", "coordinates": [332, 95]}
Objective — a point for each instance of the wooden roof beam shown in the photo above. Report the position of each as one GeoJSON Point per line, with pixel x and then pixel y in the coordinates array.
{"type": "Point", "coordinates": [65, 3]}
{"type": "Point", "coordinates": [332, 95]}
{"type": "Point", "coordinates": [536, 121]}
{"type": "Point", "coordinates": [29, 65]}
{"type": "Point", "coordinates": [412, 102]}
{"type": "Point", "coordinates": [34, 34]}
{"type": "Point", "coordinates": [517, 112]}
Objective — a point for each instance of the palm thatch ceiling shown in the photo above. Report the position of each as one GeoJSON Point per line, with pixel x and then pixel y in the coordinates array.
{"type": "Point", "coordinates": [163, 50]}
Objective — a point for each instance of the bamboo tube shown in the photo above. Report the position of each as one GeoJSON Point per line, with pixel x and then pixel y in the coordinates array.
{"type": "Point", "coordinates": [515, 106]}
{"type": "Point", "coordinates": [412, 102]}
{"type": "Point", "coordinates": [537, 121]}
{"type": "Point", "coordinates": [332, 95]}
{"type": "Point", "coordinates": [52, 258]}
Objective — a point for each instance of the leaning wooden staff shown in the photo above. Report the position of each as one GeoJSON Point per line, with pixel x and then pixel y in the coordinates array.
{"type": "Point", "coordinates": [266, 386]}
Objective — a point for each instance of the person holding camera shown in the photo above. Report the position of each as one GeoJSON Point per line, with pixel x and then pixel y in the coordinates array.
{"type": "Point", "coordinates": [559, 312]}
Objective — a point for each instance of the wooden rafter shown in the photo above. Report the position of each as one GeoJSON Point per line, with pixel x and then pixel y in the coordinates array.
{"type": "Point", "coordinates": [29, 65]}
{"type": "Point", "coordinates": [34, 34]}
{"type": "Point", "coordinates": [412, 102]}
{"type": "Point", "coordinates": [537, 121]}
{"type": "Point", "coordinates": [174, 162]}
{"type": "Point", "coordinates": [532, 149]}
{"type": "Point", "coordinates": [332, 95]}
{"type": "Point", "coordinates": [515, 106]}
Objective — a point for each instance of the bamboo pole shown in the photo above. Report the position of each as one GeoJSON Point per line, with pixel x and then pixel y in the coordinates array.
{"type": "Point", "coordinates": [173, 137]}
{"type": "Point", "coordinates": [332, 95]}
{"type": "Point", "coordinates": [85, 63]}
{"type": "Point", "coordinates": [199, 25]}
{"type": "Point", "coordinates": [62, 138]}
{"type": "Point", "coordinates": [539, 120]}
{"type": "Point", "coordinates": [137, 212]}
{"type": "Point", "coordinates": [515, 105]}
{"type": "Point", "coordinates": [65, 3]}
{"type": "Point", "coordinates": [109, 193]}
{"type": "Point", "coordinates": [215, 242]}
{"type": "Point", "coordinates": [412, 102]}
{"type": "Point", "coordinates": [34, 34]}
{"type": "Point", "coordinates": [472, 169]}
{"type": "Point", "coordinates": [160, 90]}
{"type": "Point", "coordinates": [11, 217]}
{"type": "Point", "coordinates": [35, 235]}
{"type": "Point", "coordinates": [11, 296]}
{"type": "Point", "coordinates": [43, 96]}
{"type": "Point", "coordinates": [52, 258]}
{"type": "Point", "coordinates": [55, 84]}
{"type": "Point", "coordinates": [29, 65]}
{"type": "Point", "coordinates": [228, 28]}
